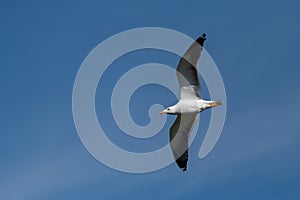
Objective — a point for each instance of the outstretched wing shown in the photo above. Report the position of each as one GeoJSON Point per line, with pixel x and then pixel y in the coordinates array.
{"type": "Point", "coordinates": [187, 73]}
{"type": "Point", "coordinates": [179, 137]}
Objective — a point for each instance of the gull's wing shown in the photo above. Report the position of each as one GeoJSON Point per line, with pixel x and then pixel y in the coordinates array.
{"type": "Point", "coordinates": [179, 137]}
{"type": "Point", "coordinates": [187, 72]}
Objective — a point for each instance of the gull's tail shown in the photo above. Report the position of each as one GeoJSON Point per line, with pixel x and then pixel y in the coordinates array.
{"type": "Point", "coordinates": [220, 102]}
{"type": "Point", "coordinates": [215, 103]}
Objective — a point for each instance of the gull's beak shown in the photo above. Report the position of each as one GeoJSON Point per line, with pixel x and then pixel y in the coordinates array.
{"type": "Point", "coordinates": [215, 103]}
{"type": "Point", "coordinates": [162, 112]}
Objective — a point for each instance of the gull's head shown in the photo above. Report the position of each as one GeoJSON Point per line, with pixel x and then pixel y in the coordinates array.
{"type": "Point", "coordinates": [169, 110]}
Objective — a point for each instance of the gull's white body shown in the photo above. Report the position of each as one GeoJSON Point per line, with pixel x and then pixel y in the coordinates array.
{"type": "Point", "coordinates": [190, 106]}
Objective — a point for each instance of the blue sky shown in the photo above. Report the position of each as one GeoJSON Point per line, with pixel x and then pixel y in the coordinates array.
{"type": "Point", "coordinates": [255, 45]}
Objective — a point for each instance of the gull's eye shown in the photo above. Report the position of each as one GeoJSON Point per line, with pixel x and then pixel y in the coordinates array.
{"type": "Point", "coordinates": [168, 108]}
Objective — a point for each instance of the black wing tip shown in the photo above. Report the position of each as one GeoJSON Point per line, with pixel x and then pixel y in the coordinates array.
{"type": "Point", "coordinates": [182, 166]}
{"type": "Point", "coordinates": [201, 39]}
{"type": "Point", "coordinates": [182, 161]}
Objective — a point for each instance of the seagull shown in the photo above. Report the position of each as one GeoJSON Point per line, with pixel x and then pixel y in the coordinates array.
{"type": "Point", "coordinates": [190, 103]}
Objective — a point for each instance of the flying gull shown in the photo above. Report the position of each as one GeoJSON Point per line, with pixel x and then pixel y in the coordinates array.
{"type": "Point", "coordinates": [190, 103]}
